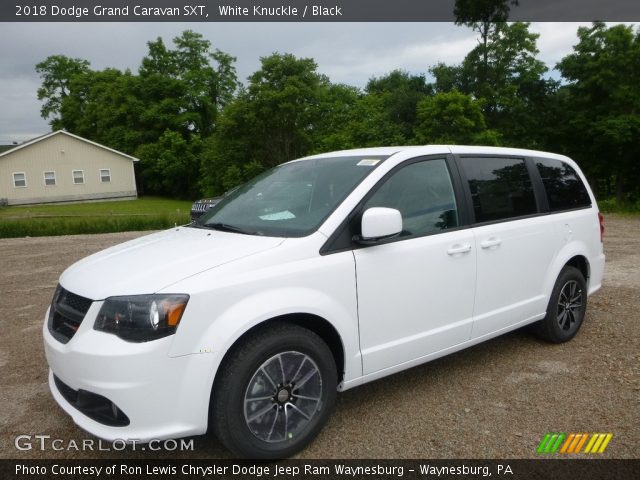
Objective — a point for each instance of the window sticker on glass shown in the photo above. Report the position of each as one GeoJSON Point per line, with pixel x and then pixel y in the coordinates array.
{"type": "Point", "coordinates": [368, 162]}
{"type": "Point", "coordinates": [284, 215]}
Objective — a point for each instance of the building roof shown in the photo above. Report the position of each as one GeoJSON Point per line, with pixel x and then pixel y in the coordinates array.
{"type": "Point", "coordinates": [63, 132]}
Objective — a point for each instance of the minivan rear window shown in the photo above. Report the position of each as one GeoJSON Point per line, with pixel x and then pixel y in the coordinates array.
{"type": "Point", "coordinates": [500, 188]}
{"type": "Point", "coordinates": [564, 187]}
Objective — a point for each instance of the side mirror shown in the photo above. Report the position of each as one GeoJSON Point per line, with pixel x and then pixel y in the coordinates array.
{"type": "Point", "coordinates": [379, 223]}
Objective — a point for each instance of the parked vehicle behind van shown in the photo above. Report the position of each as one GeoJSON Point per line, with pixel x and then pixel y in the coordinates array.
{"type": "Point", "coordinates": [202, 206]}
{"type": "Point", "coordinates": [315, 277]}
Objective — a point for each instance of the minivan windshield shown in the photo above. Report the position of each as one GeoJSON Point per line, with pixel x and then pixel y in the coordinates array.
{"type": "Point", "coordinates": [291, 200]}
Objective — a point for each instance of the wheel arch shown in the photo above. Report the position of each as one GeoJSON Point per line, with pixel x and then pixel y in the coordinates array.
{"type": "Point", "coordinates": [574, 255]}
{"type": "Point", "coordinates": [581, 263]}
{"type": "Point", "coordinates": [557, 326]}
{"type": "Point", "coordinates": [315, 323]}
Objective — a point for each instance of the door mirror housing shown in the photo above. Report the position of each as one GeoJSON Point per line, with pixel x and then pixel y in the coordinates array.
{"type": "Point", "coordinates": [379, 223]}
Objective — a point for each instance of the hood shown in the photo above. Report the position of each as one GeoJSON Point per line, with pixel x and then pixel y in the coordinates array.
{"type": "Point", "coordinates": [150, 263]}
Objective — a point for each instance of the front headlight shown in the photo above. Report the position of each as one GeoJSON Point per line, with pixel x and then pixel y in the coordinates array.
{"type": "Point", "coordinates": [140, 318]}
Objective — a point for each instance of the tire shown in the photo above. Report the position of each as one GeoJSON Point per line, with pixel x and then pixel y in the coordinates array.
{"type": "Point", "coordinates": [566, 309]}
{"type": "Point", "coordinates": [274, 393]}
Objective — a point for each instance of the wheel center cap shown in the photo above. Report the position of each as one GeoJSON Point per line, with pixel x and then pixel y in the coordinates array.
{"type": "Point", "coordinates": [283, 395]}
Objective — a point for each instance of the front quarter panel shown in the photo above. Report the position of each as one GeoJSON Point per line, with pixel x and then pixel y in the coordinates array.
{"type": "Point", "coordinates": [226, 302]}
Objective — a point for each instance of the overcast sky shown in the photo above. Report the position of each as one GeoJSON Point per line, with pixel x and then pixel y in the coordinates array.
{"type": "Point", "coordinates": [347, 52]}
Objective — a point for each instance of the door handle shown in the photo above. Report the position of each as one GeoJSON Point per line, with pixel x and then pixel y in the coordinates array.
{"type": "Point", "coordinates": [455, 249]}
{"type": "Point", "coordinates": [491, 242]}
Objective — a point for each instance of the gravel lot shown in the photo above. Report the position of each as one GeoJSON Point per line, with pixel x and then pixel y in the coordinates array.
{"type": "Point", "coordinates": [495, 400]}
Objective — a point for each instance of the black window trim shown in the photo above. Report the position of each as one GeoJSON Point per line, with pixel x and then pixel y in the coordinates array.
{"type": "Point", "coordinates": [539, 192]}
{"type": "Point", "coordinates": [341, 239]}
{"type": "Point", "coordinates": [543, 189]}
{"type": "Point", "coordinates": [538, 189]}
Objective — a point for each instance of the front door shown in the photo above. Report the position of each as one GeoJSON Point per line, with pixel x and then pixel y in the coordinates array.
{"type": "Point", "coordinates": [416, 291]}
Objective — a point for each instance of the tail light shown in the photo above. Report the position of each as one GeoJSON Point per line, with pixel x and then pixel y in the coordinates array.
{"type": "Point", "coordinates": [601, 220]}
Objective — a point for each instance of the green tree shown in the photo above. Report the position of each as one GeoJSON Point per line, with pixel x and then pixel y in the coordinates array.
{"type": "Point", "coordinates": [452, 118]}
{"type": "Point", "coordinates": [207, 78]}
{"type": "Point", "coordinates": [506, 75]}
{"type": "Point", "coordinates": [171, 104]}
{"type": "Point", "coordinates": [336, 110]}
{"type": "Point", "coordinates": [233, 144]}
{"type": "Point", "coordinates": [210, 79]}
{"type": "Point", "coordinates": [447, 78]}
{"type": "Point", "coordinates": [370, 124]}
{"type": "Point", "coordinates": [170, 166]}
{"type": "Point", "coordinates": [162, 91]}
{"type": "Point", "coordinates": [99, 107]}
{"type": "Point", "coordinates": [484, 17]}
{"type": "Point", "coordinates": [275, 119]}
{"type": "Point", "coordinates": [400, 93]}
{"type": "Point", "coordinates": [603, 100]}
{"type": "Point", "coordinates": [57, 72]}
{"type": "Point", "coordinates": [285, 95]}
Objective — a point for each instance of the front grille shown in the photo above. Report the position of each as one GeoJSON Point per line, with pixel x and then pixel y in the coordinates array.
{"type": "Point", "coordinates": [66, 314]}
{"type": "Point", "coordinates": [94, 406]}
{"type": "Point", "coordinates": [196, 215]}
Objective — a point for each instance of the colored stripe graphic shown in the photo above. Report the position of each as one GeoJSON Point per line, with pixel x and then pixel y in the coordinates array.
{"type": "Point", "coordinates": [570, 443]}
{"type": "Point", "coordinates": [556, 446]}
{"type": "Point", "coordinates": [581, 443]}
{"type": "Point", "coordinates": [596, 446]}
{"type": "Point", "coordinates": [598, 442]}
{"type": "Point", "coordinates": [551, 443]}
{"type": "Point", "coordinates": [593, 439]}
{"type": "Point", "coordinates": [543, 443]}
{"type": "Point", "coordinates": [573, 442]}
{"type": "Point", "coordinates": [606, 441]}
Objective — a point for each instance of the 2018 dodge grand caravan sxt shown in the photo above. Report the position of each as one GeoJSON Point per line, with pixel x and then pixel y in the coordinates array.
{"type": "Point", "coordinates": [315, 277]}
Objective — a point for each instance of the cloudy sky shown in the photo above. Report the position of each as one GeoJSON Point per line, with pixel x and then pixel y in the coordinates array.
{"type": "Point", "coordinates": [347, 52]}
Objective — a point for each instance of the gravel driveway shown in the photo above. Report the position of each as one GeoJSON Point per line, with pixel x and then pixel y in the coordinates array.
{"type": "Point", "coordinates": [495, 400]}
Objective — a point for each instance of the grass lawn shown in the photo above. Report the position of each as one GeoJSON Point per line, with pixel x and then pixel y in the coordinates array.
{"type": "Point", "coordinates": [149, 213]}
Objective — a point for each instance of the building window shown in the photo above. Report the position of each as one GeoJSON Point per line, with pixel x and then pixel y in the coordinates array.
{"type": "Point", "coordinates": [49, 178]}
{"type": "Point", "coordinates": [19, 179]}
{"type": "Point", "coordinates": [78, 177]}
{"type": "Point", "coordinates": [105, 175]}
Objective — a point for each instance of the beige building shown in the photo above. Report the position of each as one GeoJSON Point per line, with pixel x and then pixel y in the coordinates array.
{"type": "Point", "coordinates": [62, 167]}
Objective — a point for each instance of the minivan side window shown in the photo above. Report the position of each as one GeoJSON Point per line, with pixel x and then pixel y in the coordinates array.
{"type": "Point", "coordinates": [500, 188]}
{"type": "Point", "coordinates": [423, 193]}
{"type": "Point", "coordinates": [564, 187]}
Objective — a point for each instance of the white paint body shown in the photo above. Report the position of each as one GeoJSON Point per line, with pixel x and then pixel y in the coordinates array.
{"type": "Point", "coordinates": [394, 305]}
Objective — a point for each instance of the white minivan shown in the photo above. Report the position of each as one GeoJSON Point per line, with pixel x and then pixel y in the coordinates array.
{"type": "Point", "coordinates": [317, 276]}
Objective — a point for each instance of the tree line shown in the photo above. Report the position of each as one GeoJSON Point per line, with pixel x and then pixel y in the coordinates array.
{"type": "Point", "coordinates": [199, 131]}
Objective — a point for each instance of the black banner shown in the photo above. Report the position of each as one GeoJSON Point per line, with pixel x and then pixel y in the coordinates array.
{"type": "Point", "coordinates": [584, 469]}
{"type": "Point", "coordinates": [303, 10]}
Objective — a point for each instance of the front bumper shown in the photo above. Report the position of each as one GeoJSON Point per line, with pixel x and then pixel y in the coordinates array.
{"type": "Point", "coordinates": [161, 396]}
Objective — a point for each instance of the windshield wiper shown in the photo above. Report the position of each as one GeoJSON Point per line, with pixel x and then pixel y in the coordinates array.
{"type": "Point", "coordinates": [225, 227]}
{"type": "Point", "coordinates": [195, 224]}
